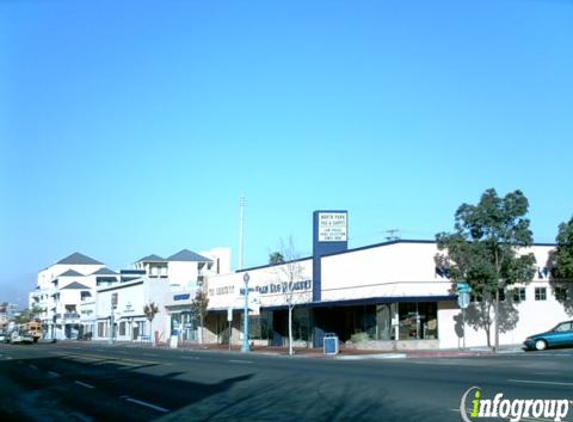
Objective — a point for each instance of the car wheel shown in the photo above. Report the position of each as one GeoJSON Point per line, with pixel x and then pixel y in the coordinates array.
{"type": "Point", "coordinates": [540, 345]}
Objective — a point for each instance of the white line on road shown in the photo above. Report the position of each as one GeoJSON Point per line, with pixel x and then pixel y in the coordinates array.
{"type": "Point", "coordinates": [33, 366]}
{"type": "Point", "coordinates": [522, 419]}
{"type": "Point", "coordinates": [151, 406]}
{"type": "Point", "coordinates": [568, 384]}
{"type": "Point", "coordinates": [240, 361]}
{"type": "Point", "coordinates": [53, 374]}
{"type": "Point", "coordinates": [190, 357]}
{"type": "Point", "coordinates": [83, 384]}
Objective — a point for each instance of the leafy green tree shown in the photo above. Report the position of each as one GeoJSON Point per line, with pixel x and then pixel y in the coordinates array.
{"type": "Point", "coordinates": [276, 258]}
{"type": "Point", "coordinates": [199, 310]}
{"type": "Point", "coordinates": [483, 250]}
{"type": "Point", "coordinates": [27, 315]}
{"type": "Point", "coordinates": [564, 252]}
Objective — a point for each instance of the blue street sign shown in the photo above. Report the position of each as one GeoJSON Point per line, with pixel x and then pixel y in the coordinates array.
{"type": "Point", "coordinates": [463, 288]}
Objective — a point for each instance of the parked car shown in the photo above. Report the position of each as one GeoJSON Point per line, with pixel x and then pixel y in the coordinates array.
{"type": "Point", "coordinates": [561, 335]}
{"type": "Point", "coordinates": [3, 337]}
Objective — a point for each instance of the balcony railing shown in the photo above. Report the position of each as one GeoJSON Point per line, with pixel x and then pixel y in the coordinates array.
{"type": "Point", "coordinates": [71, 316]}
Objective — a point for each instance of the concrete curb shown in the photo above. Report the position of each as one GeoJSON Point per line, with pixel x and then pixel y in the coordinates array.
{"type": "Point", "coordinates": [380, 356]}
{"type": "Point", "coordinates": [420, 354]}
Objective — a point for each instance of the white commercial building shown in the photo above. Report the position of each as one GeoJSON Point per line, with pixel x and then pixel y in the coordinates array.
{"type": "Point", "coordinates": [169, 283]}
{"type": "Point", "coordinates": [388, 296]}
{"type": "Point", "coordinates": [60, 291]}
{"type": "Point", "coordinates": [74, 294]}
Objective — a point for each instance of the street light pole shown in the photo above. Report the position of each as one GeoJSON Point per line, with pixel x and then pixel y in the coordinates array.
{"type": "Point", "coordinates": [245, 347]}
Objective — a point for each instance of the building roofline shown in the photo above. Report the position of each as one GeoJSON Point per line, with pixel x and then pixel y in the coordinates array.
{"type": "Point", "coordinates": [121, 285]}
{"type": "Point", "coordinates": [260, 267]}
{"type": "Point", "coordinates": [361, 248]}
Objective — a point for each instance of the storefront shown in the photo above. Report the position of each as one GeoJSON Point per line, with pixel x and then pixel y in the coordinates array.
{"type": "Point", "coordinates": [385, 296]}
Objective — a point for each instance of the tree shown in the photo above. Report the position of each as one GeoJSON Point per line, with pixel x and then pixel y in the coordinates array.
{"type": "Point", "coordinates": [564, 251]}
{"type": "Point", "coordinates": [28, 315]}
{"type": "Point", "coordinates": [276, 258]}
{"type": "Point", "coordinates": [150, 310]}
{"type": "Point", "coordinates": [289, 273]}
{"type": "Point", "coordinates": [199, 310]}
{"type": "Point", "coordinates": [483, 250]}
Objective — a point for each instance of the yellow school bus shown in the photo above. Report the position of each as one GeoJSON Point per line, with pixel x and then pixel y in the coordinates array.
{"type": "Point", "coordinates": [34, 328]}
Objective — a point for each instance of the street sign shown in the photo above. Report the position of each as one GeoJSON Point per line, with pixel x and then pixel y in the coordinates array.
{"type": "Point", "coordinates": [229, 314]}
{"type": "Point", "coordinates": [463, 288]}
{"type": "Point", "coordinates": [463, 300]}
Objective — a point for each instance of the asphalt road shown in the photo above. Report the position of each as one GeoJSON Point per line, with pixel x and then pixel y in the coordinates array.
{"type": "Point", "coordinates": [95, 382]}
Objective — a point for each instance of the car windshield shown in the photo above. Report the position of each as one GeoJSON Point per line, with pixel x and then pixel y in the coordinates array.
{"type": "Point", "coordinates": [564, 326]}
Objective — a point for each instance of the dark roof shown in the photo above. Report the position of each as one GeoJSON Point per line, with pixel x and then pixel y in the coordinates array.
{"type": "Point", "coordinates": [104, 271]}
{"type": "Point", "coordinates": [76, 285]}
{"type": "Point", "coordinates": [152, 258]}
{"type": "Point", "coordinates": [71, 273]}
{"type": "Point", "coordinates": [79, 259]}
{"type": "Point", "coordinates": [187, 255]}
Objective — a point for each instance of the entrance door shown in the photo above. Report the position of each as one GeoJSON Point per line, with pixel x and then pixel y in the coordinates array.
{"type": "Point", "coordinates": [280, 328]}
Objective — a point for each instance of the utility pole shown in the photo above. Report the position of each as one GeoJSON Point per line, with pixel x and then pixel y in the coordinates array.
{"type": "Point", "coordinates": [241, 232]}
{"type": "Point", "coordinates": [393, 234]}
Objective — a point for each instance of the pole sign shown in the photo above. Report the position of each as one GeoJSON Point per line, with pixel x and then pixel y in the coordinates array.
{"type": "Point", "coordinates": [229, 314]}
{"type": "Point", "coordinates": [463, 300]}
{"type": "Point", "coordinates": [332, 227]}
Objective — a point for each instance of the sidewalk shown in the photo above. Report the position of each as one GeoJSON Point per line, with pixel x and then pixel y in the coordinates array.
{"type": "Point", "coordinates": [345, 353]}
{"type": "Point", "coordinates": [348, 353]}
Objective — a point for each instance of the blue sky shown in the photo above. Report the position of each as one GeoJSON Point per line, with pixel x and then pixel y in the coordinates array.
{"type": "Point", "coordinates": [133, 127]}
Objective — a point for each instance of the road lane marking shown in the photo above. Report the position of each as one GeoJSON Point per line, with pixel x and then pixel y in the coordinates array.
{"type": "Point", "coordinates": [522, 419]}
{"type": "Point", "coordinates": [240, 361]}
{"type": "Point", "coordinates": [83, 384]}
{"type": "Point", "coordinates": [568, 384]}
{"type": "Point", "coordinates": [33, 366]}
{"type": "Point", "coordinates": [151, 406]}
{"type": "Point", "coordinates": [190, 357]}
{"type": "Point", "coordinates": [53, 374]}
{"type": "Point", "coordinates": [105, 360]}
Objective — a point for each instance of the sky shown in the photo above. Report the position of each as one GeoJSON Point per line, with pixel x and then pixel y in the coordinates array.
{"type": "Point", "coordinates": [131, 127]}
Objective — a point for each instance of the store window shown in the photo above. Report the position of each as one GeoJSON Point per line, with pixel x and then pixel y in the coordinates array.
{"type": "Point", "coordinates": [519, 294]}
{"type": "Point", "coordinates": [101, 329]}
{"type": "Point", "coordinates": [301, 324]}
{"type": "Point", "coordinates": [418, 321]}
{"type": "Point", "coordinates": [540, 293]}
{"type": "Point", "coordinates": [260, 326]}
{"type": "Point", "coordinates": [122, 328]}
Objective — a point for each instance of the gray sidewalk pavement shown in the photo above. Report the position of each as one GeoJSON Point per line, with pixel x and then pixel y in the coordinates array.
{"type": "Point", "coordinates": [345, 353]}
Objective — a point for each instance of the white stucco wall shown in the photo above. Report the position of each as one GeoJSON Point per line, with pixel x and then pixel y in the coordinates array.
{"type": "Point", "coordinates": [131, 299]}
{"type": "Point", "coordinates": [532, 317]}
{"type": "Point", "coordinates": [394, 270]}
